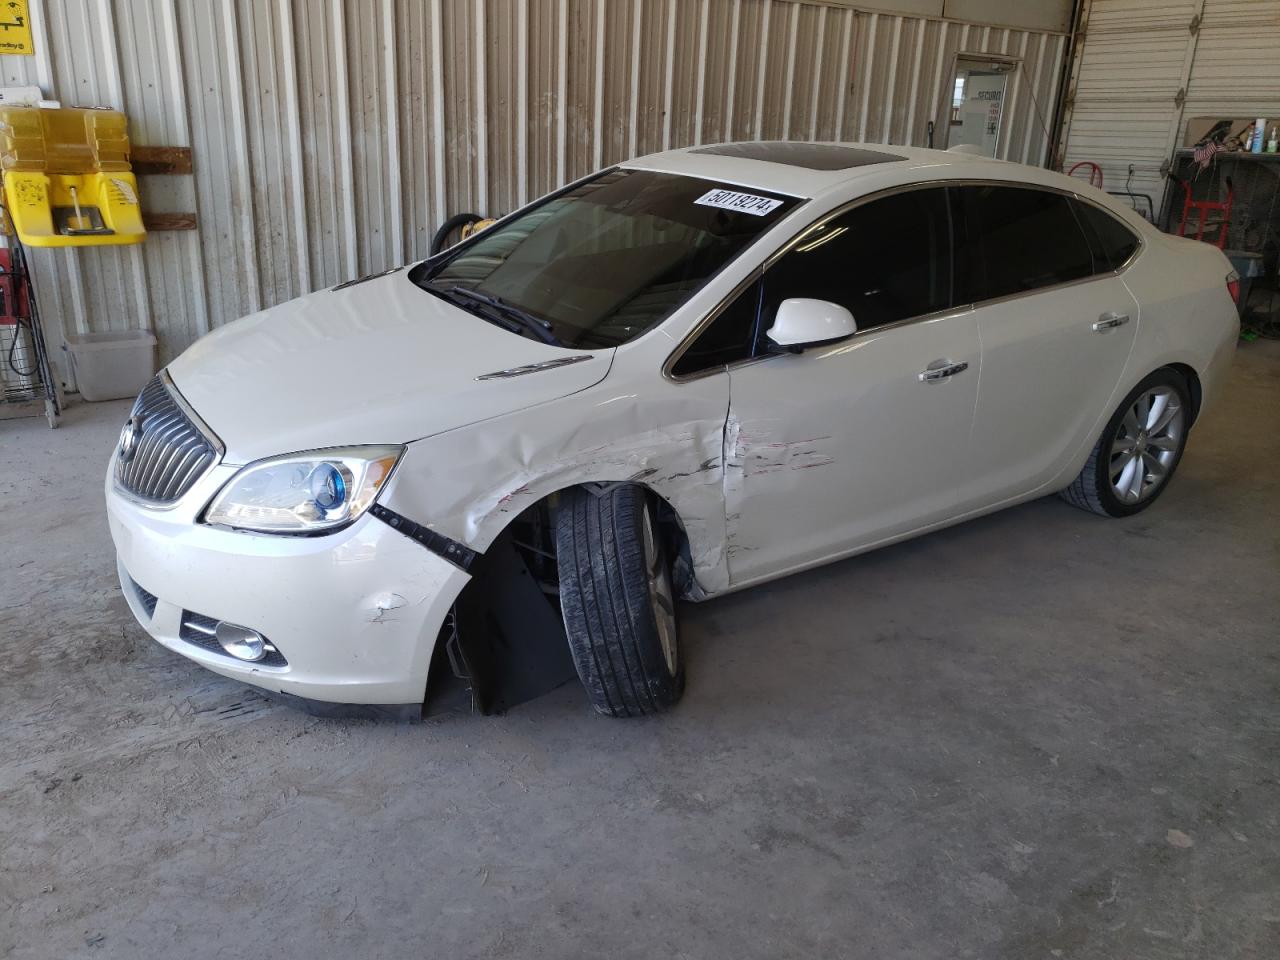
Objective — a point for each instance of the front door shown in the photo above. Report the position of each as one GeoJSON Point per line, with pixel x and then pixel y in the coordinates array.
{"type": "Point", "coordinates": [839, 448]}
{"type": "Point", "coordinates": [845, 445]}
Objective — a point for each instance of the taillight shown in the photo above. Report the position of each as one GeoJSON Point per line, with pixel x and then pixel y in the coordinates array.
{"type": "Point", "coordinates": [1233, 287]}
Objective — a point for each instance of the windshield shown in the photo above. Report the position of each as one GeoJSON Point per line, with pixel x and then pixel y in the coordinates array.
{"type": "Point", "coordinates": [607, 260]}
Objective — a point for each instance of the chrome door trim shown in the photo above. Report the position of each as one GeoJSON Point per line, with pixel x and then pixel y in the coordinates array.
{"type": "Point", "coordinates": [710, 316]}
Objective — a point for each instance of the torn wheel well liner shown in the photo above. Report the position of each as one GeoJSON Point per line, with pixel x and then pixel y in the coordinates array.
{"type": "Point", "coordinates": [505, 637]}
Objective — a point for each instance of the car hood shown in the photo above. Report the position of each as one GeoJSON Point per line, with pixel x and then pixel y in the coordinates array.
{"type": "Point", "coordinates": [378, 361]}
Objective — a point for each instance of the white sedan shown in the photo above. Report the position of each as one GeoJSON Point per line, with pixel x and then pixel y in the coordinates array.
{"type": "Point", "coordinates": [681, 376]}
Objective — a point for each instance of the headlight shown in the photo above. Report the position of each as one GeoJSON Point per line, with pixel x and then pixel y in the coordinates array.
{"type": "Point", "coordinates": [310, 492]}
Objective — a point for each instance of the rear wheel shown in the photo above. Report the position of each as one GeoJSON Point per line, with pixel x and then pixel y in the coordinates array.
{"type": "Point", "coordinates": [618, 602]}
{"type": "Point", "coordinates": [1135, 457]}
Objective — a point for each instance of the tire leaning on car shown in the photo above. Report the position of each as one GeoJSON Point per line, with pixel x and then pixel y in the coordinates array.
{"type": "Point", "coordinates": [1139, 450]}
{"type": "Point", "coordinates": [617, 600]}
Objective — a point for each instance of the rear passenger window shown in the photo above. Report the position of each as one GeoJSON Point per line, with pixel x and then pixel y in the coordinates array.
{"type": "Point", "coordinates": [1113, 242]}
{"type": "Point", "coordinates": [1020, 239]}
{"type": "Point", "coordinates": [887, 260]}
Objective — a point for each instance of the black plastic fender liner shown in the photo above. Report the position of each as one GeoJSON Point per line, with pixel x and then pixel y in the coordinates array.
{"type": "Point", "coordinates": [507, 641]}
{"type": "Point", "coordinates": [509, 644]}
{"type": "Point", "coordinates": [460, 555]}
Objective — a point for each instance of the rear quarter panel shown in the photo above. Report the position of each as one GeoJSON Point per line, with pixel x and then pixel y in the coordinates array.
{"type": "Point", "coordinates": [1187, 317]}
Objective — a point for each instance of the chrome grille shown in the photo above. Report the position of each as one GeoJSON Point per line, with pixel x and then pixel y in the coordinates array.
{"type": "Point", "coordinates": [162, 450]}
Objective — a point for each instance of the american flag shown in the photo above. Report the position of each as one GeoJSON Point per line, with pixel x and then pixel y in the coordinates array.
{"type": "Point", "coordinates": [1204, 152]}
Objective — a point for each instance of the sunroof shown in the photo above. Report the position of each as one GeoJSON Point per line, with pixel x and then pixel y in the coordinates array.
{"type": "Point", "coordinates": [812, 156]}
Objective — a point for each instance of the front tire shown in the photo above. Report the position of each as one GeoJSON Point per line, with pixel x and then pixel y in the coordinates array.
{"type": "Point", "coordinates": [617, 601]}
{"type": "Point", "coordinates": [1140, 448]}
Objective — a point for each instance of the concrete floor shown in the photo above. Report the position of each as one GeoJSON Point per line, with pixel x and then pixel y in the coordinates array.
{"type": "Point", "coordinates": [1041, 734]}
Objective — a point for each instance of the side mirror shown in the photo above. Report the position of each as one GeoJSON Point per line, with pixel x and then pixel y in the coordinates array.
{"type": "Point", "coordinates": [804, 323]}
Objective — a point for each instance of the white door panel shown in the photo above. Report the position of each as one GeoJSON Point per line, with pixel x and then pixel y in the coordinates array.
{"type": "Point", "coordinates": [1050, 366]}
{"type": "Point", "coordinates": [842, 446]}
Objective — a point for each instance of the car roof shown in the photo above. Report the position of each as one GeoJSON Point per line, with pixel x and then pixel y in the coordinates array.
{"type": "Point", "coordinates": [814, 170]}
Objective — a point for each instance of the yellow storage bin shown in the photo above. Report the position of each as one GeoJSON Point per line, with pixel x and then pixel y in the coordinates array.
{"type": "Point", "coordinates": [67, 180]}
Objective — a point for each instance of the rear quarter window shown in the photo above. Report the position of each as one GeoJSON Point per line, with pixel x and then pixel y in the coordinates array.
{"type": "Point", "coordinates": [1113, 241]}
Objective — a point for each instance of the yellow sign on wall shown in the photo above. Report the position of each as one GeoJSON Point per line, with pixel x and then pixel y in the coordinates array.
{"type": "Point", "coordinates": [15, 28]}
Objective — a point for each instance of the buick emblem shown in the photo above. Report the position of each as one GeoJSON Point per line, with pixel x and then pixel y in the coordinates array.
{"type": "Point", "coordinates": [130, 434]}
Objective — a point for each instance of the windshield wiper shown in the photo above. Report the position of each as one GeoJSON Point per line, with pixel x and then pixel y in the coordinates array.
{"type": "Point", "coordinates": [539, 328]}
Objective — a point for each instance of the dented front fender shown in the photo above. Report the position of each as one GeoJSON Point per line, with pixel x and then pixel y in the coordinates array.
{"type": "Point", "coordinates": [469, 483]}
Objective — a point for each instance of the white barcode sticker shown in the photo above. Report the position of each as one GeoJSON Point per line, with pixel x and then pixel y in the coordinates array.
{"type": "Point", "coordinates": [739, 202]}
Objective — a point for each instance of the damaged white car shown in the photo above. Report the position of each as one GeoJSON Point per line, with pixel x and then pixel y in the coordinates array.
{"type": "Point", "coordinates": [682, 376]}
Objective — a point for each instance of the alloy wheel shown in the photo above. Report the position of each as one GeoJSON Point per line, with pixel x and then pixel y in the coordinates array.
{"type": "Point", "coordinates": [660, 594]}
{"type": "Point", "coordinates": [1146, 444]}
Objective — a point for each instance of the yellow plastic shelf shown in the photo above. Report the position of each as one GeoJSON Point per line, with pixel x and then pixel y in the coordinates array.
{"type": "Point", "coordinates": [67, 179]}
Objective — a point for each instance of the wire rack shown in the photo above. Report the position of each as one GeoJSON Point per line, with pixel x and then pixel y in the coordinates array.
{"type": "Point", "coordinates": [27, 386]}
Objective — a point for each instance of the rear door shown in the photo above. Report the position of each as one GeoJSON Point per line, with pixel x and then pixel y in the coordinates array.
{"type": "Point", "coordinates": [1057, 324]}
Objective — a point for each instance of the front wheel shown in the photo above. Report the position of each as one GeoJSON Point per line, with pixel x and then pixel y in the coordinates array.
{"type": "Point", "coordinates": [1139, 450]}
{"type": "Point", "coordinates": [618, 602]}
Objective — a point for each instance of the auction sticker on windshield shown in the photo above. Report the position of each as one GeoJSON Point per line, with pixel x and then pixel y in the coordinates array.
{"type": "Point", "coordinates": [739, 202]}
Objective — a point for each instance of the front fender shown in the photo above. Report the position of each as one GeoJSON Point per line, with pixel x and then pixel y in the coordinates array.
{"type": "Point", "coordinates": [469, 483]}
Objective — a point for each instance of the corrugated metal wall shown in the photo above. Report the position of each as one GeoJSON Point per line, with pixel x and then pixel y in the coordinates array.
{"type": "Point", "coordinates": [330, 139]}
{"type": "Point", "coordinates": [1144, 69]}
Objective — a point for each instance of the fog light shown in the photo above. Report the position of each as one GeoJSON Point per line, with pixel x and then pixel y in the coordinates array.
{"type": "Point", "coordinates": [241, 642]}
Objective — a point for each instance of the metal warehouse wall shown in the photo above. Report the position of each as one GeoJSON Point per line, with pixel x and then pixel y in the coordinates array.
{"type": "Point", "coordinates": [1144, 69]}
{"type": "Point", "coordinates": [331, 139]}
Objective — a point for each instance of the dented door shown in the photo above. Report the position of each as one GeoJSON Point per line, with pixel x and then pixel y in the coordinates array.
{"type": "Point", "coordinates": [840, 447]}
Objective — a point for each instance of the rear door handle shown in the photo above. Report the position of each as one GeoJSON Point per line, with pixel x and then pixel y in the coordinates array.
{"type": "Point", "coordinates": [1109, 321]}
{"type": "Point", "coordinates": [941, 369]}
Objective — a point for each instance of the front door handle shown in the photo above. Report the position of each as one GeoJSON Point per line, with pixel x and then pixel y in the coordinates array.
{"type": "Point", "coordinates": [1109, 321]}
{"type": "Point", "coordinates": [941, 369]}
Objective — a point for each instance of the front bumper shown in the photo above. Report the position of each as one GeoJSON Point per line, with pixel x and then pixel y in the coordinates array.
{"type": "Point", "coordinates": [355, 613]}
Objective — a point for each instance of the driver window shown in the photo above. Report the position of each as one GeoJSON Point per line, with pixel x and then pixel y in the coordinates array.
{"type": "Point", "coordinates": [884, 261]}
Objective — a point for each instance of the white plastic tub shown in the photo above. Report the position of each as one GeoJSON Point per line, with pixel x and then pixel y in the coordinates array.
{"type": "Point", "coordinates": [112, 366]}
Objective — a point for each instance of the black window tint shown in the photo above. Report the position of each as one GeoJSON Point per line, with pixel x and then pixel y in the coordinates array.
{"type": "Point", "coordinates": [886, 260]}
{"type": "Point", "coordinates": [1113, 241]}
{"type": "Point", "coordinates": [1020, 239]}
{"type": "Point", "coordinates": [729, 338]}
